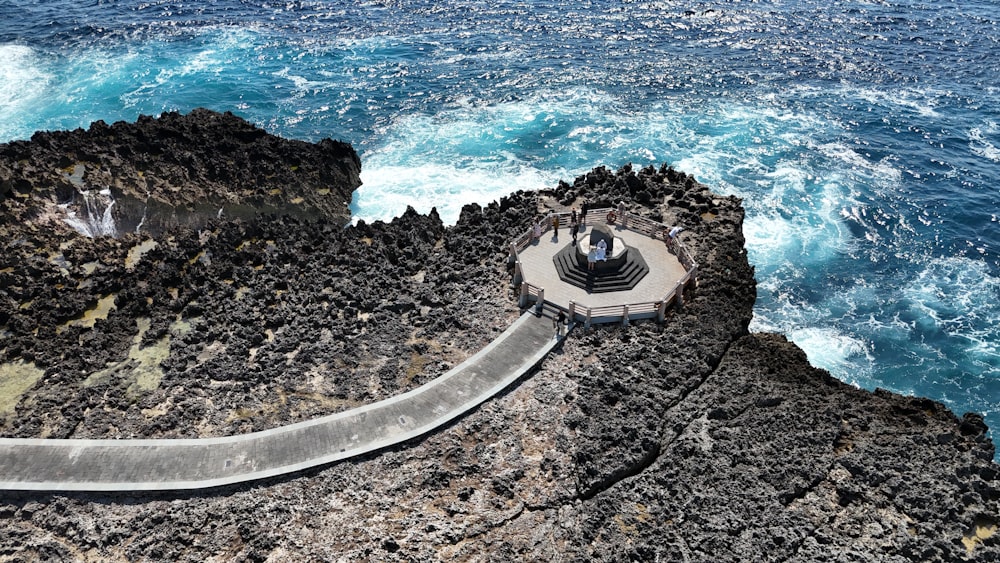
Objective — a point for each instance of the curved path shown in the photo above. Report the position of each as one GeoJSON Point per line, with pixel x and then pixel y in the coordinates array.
{"type": "Point", "coordinates": [197, 463]}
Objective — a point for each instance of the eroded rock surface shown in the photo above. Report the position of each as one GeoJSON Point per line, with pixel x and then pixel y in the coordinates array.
{"type": "Point", "coordinates": [688, 441]}
{"type": "Point", "coordinates": [177, 170]}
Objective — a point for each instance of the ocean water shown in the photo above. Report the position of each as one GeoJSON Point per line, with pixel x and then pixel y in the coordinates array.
{"type": "Point", "coordinates": [864, 136]}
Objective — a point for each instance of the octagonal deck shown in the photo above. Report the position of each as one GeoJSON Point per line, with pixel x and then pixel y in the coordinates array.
{"type": "Point", "coordinates": [539, 270]}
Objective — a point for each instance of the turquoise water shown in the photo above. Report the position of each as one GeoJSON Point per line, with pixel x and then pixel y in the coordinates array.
{"type": "Point", "coordinates": [862, 135]}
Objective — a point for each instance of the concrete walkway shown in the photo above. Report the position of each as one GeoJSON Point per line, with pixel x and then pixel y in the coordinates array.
{"type": "Point", "coordinates": [182, 464]}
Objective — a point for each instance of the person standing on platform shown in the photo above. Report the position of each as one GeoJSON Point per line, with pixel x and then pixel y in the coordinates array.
{"type": "Point", "coordinates": [555, 225]}
{"type": "Point", "coordinates": [602, 251]}
{"type": "Point", "coordinates": [672, 238]}
{"type": "Point", "coordinates": [583, 213]}
{"type": "Point", "coordinates": [560, 323]}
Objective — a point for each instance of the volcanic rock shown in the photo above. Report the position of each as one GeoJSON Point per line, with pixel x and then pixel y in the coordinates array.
{"type": "Point", "coordinates": [691, 440]}
{"type": "Point", "coordinates": [178, 170]}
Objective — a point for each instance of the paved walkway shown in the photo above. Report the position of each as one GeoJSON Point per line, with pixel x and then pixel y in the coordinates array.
{"type": "Point", "coordinates": [181, 464]}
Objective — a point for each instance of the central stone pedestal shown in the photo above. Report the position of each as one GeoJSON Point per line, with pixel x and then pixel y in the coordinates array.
{"type": "Point", "coordinates": [614, 254]}
{"type": "Point", "coordinates": [612, 259]}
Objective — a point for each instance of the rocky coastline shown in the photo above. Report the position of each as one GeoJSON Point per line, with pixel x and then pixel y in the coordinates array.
{"type": "Point", "coordinates": [694, 440]}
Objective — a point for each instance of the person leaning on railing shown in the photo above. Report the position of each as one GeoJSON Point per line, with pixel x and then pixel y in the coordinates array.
{"type": "Point", "coordinates": [672, 239]}
{"type": "Point", "coordinates": [622, 213]}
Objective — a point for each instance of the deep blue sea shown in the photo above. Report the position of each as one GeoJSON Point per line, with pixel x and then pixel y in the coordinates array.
{"type": "Point", "coordinates": [863, 136]}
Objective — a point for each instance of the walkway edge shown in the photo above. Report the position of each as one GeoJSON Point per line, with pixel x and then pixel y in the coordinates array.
{"type": "Point", "coordinates": [531, 362]}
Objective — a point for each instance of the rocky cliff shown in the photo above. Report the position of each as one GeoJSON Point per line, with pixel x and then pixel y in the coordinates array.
{"type": "Point", "coordinates": [177, 170]}
{"type": "Point", "coordinates": [693, 440]}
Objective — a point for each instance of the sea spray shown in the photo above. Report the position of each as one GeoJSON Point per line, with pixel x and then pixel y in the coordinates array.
{"type": "Point", "coordinates": [90, 213]}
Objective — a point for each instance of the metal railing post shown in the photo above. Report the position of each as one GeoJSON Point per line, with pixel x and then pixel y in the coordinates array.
{"type": "Point", "coordinates": [522, 300]}
{"type": "Point", "coordinates": [586, 323]}
{"type": "Point", "coordinates": [693, 276]}
{"type": "Point", "coordinates": [540, 301]}
{"type": "Point", "coordinates": [625, 314]}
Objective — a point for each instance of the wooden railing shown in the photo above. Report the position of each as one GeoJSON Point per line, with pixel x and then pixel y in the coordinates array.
{"type": "Point", "coordinates": [674, 296]}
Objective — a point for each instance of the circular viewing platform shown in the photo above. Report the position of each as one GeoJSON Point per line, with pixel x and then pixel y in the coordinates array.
{"type": "Point", "coordinates": [644, 270]}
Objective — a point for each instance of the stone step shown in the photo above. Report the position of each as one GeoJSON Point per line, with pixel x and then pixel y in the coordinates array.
{"type": "Point", "coordinates": [622, 278]}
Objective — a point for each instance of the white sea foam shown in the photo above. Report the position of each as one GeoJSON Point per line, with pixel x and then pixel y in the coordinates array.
{"type": "Point", "coordinates": [981, 146]}
{"type": "Point", "coordinates": [953, 306]}
{"type": "Point", "coordinates": [922, 102]}
{"type": "Point", "coordinates": [847, 356]}
{"type": "Point", "coordinates": [19, 71]}
{"type": "Point", "coordinates": [24, 81]}
{"type": "Point", "coordinates": [837, 352]}
{"type": "Point", "coordinates": [798, 222]}
{"type": "Point", "coordinates": [768, 237]}
{"type": "Point", "coordinates": [388, 190]}
{"type": "Point", "coordinates": [881, 172]}
{"type": "Point", "coordinates": [957, 295]}
{"type": "Point", "coordinates": [303, 84]}
{"type": "Point", "coordinates": [479, 153]}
